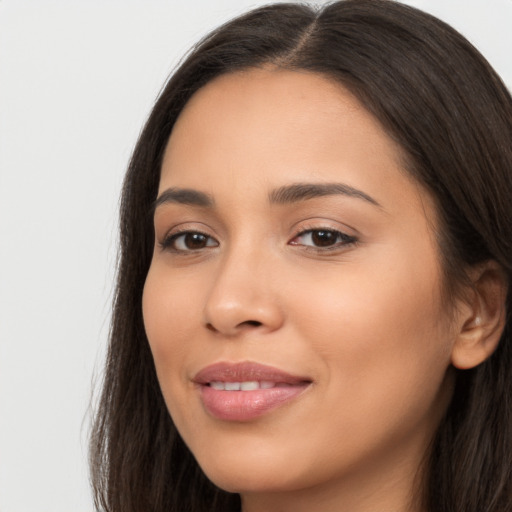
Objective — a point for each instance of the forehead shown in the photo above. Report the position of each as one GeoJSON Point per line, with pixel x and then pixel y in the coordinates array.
{"type": "Point", "coordinates": [285, 106]}
{"type": "Point", "coordinates": [268, 128]}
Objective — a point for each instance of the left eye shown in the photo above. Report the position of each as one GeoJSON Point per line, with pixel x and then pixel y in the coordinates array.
{"type": "Point", "coordinates": [189, 241]}
{"type": "Point", "coordinates": [322, 238]}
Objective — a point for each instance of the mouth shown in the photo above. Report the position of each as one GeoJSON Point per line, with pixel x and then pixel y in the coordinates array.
{"type": "Point", "coordinates": [246, 391]}
{"type": "Point", "coordinates": [250, 385]}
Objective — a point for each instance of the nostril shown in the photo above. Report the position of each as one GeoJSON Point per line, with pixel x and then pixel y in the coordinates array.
{"type": "Point", "coordinates": [251, 323]}
{"type": "Point", "coordinates": [233, 329]}
{"type": "Point", "coordinates": [210, 327]}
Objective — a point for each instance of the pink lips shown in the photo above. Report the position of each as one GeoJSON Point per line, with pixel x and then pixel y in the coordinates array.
{"type": "Point", "coordinates": [257, 389]}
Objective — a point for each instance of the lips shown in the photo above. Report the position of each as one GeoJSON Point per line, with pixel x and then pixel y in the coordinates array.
{"type": "Point", "coordinates": [245, 391]}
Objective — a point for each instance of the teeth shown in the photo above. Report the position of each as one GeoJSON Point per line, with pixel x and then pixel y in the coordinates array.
{"type": "Point", "coordinates": [250, 385]}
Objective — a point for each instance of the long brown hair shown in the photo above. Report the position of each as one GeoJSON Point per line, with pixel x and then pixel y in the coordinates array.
{"type": "Point", "coordinates": [440, 100]}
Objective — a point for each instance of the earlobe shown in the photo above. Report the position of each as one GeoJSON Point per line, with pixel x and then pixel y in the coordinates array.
{"type": "Point", "coordinates": [483, 317]}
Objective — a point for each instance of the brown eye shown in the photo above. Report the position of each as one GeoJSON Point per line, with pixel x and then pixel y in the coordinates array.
{"type": "Point", "coordinates": [195, 240]}
{"type": "Point", "coordinates": [189, 241]}
{"type": "Point", "coordinates": [323, 239]}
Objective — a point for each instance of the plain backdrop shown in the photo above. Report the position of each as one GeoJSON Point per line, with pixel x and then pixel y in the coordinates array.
{"type": "Point", "coordinates": [77, 79]}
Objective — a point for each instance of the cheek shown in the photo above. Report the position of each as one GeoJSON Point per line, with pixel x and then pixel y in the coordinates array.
{"type": "Point", "coordinates": [380, 332]}
{"type": "Point", "coordinates": [168, 320]}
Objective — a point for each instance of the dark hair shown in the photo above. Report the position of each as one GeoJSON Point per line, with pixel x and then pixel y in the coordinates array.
{"type": "Point", "coordinates": [439, 99]}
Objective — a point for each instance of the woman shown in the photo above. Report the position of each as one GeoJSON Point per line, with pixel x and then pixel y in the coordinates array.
{"type": "Point", "coordinates": [312, 308]}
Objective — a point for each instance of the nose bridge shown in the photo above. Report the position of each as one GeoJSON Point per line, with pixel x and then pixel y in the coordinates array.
{"type": "Point", "coordinates": [242, 295]}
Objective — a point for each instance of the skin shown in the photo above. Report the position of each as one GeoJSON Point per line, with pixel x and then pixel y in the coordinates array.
{"type": "Point", "coordinates": [363, 319]}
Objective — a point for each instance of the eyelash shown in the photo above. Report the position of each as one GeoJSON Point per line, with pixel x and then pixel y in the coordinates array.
{"type": "Point", "coordinates": [168, 244]}
{"type": "Point", "coordinates": [341, 240]}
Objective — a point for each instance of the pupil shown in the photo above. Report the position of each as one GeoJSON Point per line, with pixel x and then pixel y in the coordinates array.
{"type": "Point", "coordinates": [195, 240]}
{"type": "Point", "coordinates": [323, 238]}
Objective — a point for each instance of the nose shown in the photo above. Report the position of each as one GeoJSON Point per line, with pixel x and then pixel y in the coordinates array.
{"type": "Point", "coordinates": [243, 296]}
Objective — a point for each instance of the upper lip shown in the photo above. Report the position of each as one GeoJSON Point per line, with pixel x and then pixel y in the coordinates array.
{"type": "Point", "coordinates": [244, 372]}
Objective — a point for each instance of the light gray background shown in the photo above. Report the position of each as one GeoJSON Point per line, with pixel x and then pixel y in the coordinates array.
{"type": "Point", "coordinates": [77, 79]}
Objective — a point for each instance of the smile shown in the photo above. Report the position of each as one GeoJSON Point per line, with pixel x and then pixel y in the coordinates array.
{"type": "Point", "coordinates": [250, 385]}
{"type": "Point", "coordinates": [245, 391]}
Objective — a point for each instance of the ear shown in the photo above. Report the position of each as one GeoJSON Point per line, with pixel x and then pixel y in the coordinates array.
{"type": "Point", "coordinates": [482, 316]}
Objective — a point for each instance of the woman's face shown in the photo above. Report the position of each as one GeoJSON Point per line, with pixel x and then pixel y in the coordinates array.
{"type": "Point", "coordinates": [293, 304]}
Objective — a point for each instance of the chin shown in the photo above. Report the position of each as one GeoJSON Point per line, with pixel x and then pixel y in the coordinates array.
{"type": "Point", "coordinates": [250, 482]}
{"type": "Point", "coordinates": [253, 474]}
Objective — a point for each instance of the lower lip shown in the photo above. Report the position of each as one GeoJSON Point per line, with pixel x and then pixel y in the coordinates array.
{"type": "Point", "coordinates": [247, 405]}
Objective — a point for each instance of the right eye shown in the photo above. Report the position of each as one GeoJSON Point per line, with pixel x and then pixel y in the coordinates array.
{"type": "Point", "coordinates": [188, 241]}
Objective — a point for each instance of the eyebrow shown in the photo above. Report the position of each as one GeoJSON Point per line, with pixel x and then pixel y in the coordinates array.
{"type": "Point", "coordinates": [282, 195]}
{"type": "Point", "coordinates": [304, 191]}
{"type": "Point", "coordinates": [186, 196]}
